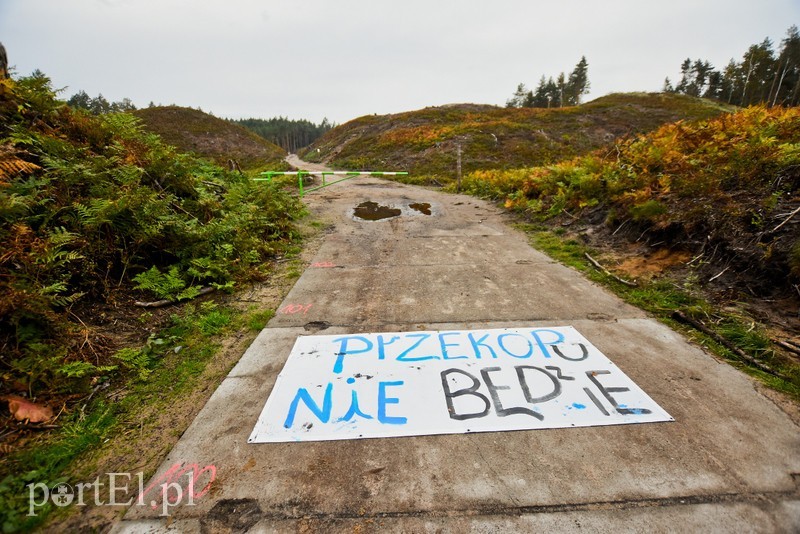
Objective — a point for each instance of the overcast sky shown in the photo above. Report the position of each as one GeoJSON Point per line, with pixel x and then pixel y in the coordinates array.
{"type": "Point", "coordinates": [345, 58]}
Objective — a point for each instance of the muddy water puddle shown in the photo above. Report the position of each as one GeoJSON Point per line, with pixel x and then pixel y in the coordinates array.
{"type": "Point", "coordinates": [372, 211]}
{"type": "Point", "coordinates": [422, 207]}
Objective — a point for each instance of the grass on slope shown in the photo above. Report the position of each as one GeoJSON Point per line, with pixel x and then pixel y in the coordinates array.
{"type": "Point", "coordinates": [424, 142]}
{"type": "Point", "coordinates": [205, 135]}
{"type": "Point", "coordinates": [725, 184]}
{"type": "Point", "coordinates": [720, 197]}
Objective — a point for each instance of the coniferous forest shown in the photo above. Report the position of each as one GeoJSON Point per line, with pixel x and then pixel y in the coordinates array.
{"type": "Point", "coordinates": [764, 75]}
{"type": "Point", "coordinates": [291, 135]}
{"type": "Point", "coordinates": [563, 91]}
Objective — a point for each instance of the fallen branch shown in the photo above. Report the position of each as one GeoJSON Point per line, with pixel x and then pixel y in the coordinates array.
{"type": "Point", "coordinates": [719, 274]}
{"type": "Point", "coordinates": [685, 319]}
{"type": "Point", "coordinates": [787, 346]}
{"type": "Point", "coordinates": [574, 218]}
{"type": "Point", "coordinates": [786, 220]}
{"type": "Point", "coordinates": [167, 302]}
{"type": "Point", "coordinates": [606, 271]}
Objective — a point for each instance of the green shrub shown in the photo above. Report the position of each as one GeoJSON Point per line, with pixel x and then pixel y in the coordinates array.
{"type": "Point", "coordinates": [94, 206]}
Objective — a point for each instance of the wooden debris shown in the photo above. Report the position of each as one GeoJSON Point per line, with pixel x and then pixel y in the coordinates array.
{"type": "Point", "coordinates": [606, 271]}
{"type": "Point", "coordinates": [787, 346]}
{"type": "Point", "coordinates": [685, 319]}
{"type": "Point", "coordinates": [719, 274]}
{"type": "Point", "coordinates": [786, 220]}
{"type": "Point", "coordinates": [167, 302]}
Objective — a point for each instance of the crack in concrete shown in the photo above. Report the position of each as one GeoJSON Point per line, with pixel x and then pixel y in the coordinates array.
{"type": "Point", "coordinates": [508, 491]}
{"type": "Point", "coordinates": [520, 510]}
{"type": "Point", "coordinates": [627, 504]}
{"type": "Point", "coordinates": [376, 327]}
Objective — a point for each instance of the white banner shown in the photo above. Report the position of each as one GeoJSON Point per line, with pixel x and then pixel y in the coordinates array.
{"type": "Point", "coordinates": [418, 383]}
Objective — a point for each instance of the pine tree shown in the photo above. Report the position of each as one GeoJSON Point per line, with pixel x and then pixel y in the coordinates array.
{"type": "Point", "coordinates": [99, 105]}
{"type": "Point", "coordinates": [561, 84]}
{"type": "Point", "coordinates": [715, 88]}
{"type": "Point", "coordinates": [730, 81]}
{"type": "Point", "coordinates": [541, 98]}
{"type": "Point", "coordinates": [699, 77]}
{"type": "Point", "coordinates": [518, 100]}
{"type": "Point", "coordinates": [578, 84]}
{"type": "Point", "coordinates": [564, 91]}
{"type": "Point", "coordinates": [758, 64]}
{"type": "Point", "coordinates": [80, 100]}
{"type": "Point", "coordinates": [686, 68]}
{"type": "Point", "coordinates": [3, 62]}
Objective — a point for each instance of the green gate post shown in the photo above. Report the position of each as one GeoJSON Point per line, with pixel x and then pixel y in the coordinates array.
{"type": "Point", "coordinates": [347, 175]}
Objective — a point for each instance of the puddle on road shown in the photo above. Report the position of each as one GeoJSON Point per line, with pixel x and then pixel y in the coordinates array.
{"type": "Point", "coordinates": [422, 207]}
{"type": "Point", "coordinates": [372, 211]}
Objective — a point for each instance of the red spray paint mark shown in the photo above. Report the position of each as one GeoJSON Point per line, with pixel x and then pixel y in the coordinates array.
{"type": "Point", "coordinates": [291, 309]}
{"type": "Point", "coordinates": [174, 478]}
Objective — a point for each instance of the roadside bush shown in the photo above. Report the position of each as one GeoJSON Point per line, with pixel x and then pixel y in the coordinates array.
{"type": "Point", "coordinates": [92, 208]}
{"type": "Point", "coordinates": [728, 180]}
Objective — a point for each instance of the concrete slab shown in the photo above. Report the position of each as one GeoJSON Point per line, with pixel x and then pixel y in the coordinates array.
{"type": "Point", "coordinates": [728, 462]}
{"type": "Point", "coordinates": [704, 453]}
{"type": "Point", "coordinates": [351, 251]}
{"type": "Point", "coordinates": [447, 293]}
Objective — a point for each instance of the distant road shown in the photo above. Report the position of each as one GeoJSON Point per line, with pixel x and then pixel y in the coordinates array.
{"type": "Point", "coordinates": [295, 161]}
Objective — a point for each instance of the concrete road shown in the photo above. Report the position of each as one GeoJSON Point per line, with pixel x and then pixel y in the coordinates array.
{"type": "Point", "coordinates": [729, 462]}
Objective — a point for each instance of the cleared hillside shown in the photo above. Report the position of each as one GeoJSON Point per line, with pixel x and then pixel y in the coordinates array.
{"type": "Point", "coordinates": [424, 142]}
{"type": "Point", "coordinates": [696, 213]}
{"type": "Point", "coordinates": [194, 131]}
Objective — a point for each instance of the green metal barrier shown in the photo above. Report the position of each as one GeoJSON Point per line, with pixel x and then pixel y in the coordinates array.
{"type": "Point", "coordinates": [268, 175]}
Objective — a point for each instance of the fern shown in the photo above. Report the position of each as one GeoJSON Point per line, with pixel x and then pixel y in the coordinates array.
{"type": "Point", "coordinates": [12, 165]}
{"type": "Point", "coordinates": [163, 285]}
{"type": "Point", "coordinates": [98, 212]}
{"type": "Point", "coordinates": [137, 360]}
{"type": "Point", "coordinates": [84, 200]}
{"type": "Point", "coordinates": [80, 369]}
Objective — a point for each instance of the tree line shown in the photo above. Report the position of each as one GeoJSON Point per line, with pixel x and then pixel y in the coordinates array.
{"type": "Point", "coordinates": [763, 76]}
{"type": "Point", "coordinates": [291, 135]}
{"type": "Point", "coordinates": [99, 104]}
{"type": "Point", "coordinates": [563, 91]}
